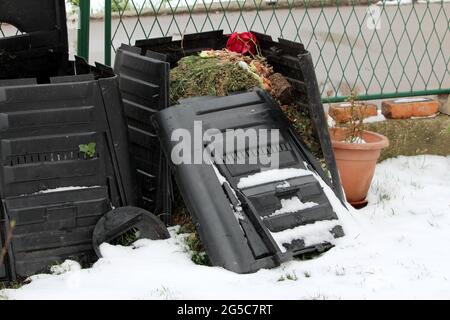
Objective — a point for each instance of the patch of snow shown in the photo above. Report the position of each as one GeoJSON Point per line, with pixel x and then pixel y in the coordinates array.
{"type": "Point", "coordinates": [285, 184]}
{"type": "Point", "coordinates": [331, 122]}
{"type": "Point", "coordinates": [62, 189]}
{"type": "Point", "coordinates": [406, 100]}
{"type": "Point", "coordinates": [65, 267]}
{"type": "Point", "coordinates": [293, 204]}
{"type": "Point", "coordinates": [272, 175]}
{"type": "Point", "coordinates": [426, 117]}
{"type": "Point", "coordinates": [395, 248]}
{"type": "Point", "coordinates": [359, 141]}
{"type": "Point", "coordinates": [222, 180]}
{"type": "Point", "coordinates": [378, 118]}
{"type": "Point", "coordinates": [311, 234]}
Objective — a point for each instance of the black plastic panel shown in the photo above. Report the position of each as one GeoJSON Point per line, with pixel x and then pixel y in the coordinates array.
{"type": "Point", "coordinates": [245, 244]}
{"type": "Point", "coordinates": [172, 51]}
{"type": "Point", "coordinates": [53, 191]}
{"type": "Point", "coordinates": [49, 108]}
{"type": "Point", "coordinates": [54, 226]}
{"type": "Point", "coordinates": [144, 84]}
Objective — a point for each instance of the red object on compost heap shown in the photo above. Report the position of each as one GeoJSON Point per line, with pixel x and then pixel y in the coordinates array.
{"type": "Point", "coordinates": [242, 43]}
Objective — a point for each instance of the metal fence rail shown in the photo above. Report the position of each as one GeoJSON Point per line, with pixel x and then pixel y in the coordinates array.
{"type": "Point", "coordinates": [387, 50]}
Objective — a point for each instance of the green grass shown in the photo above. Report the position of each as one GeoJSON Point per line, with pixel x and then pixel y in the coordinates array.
{"type": "Point", "coordinates": [128, 238]}
{"type": "Point", "coordinates": [309, 256]}
{"type": "Point", "coordinates": [198, 255]}
{"type": "Point", "coordinates": [196, 76]}
{"type": "Point", "coordinates": [412, 137]}
{"type": "Point", "coordinates": [10, 285]}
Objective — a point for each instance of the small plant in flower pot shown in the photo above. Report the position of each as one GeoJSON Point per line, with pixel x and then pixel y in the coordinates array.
{"type": "Point", "coordinates": [356, 151]}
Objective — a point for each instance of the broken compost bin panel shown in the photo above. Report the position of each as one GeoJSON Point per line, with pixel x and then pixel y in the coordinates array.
{"type": "Point", "coordinates": [64, 164]}
{"type": "Point", "coordinates": [64, 152]}
{"type": "Point", "coordinates": [144, 84]}
{"type": "Point", "coordinates": [250, 216]}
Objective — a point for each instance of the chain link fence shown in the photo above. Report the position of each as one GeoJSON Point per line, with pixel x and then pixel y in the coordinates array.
{"type": "Point", "coordinates": [381, 49]}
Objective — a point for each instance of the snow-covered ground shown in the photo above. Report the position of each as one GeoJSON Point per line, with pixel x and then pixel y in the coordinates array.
{"type": "Point", "coordinates": [397, 247]}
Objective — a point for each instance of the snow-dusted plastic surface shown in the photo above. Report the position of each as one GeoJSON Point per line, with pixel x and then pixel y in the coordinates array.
{"type": "Point", "coordinates": [271, 176]}
{"type": "Point", "coordinates": [397, 247]}
{"type": "Point", "coordinates": [292, 205]}
{"type": "Point", "coordinates": [311, 234]}
{"type": "Point", "coordinates": [65, 189]}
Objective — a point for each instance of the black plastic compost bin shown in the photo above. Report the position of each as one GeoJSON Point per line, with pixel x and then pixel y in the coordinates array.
{"type": "Point", "coordinates": [53, 185]}
{"type": "Point", "coordinates": [291, 59]}
{"type": "Point", "coordinates": [143, 71]}
{"type": "Point", "coordinates": [63, 145]}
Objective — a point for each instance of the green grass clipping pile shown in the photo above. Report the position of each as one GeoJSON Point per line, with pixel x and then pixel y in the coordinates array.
{"type": "Point", "coordinates": [211, 76]}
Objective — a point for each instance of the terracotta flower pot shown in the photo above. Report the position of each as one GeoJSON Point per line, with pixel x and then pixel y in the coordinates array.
{"type": "Point", "coordinates": [356, 163]}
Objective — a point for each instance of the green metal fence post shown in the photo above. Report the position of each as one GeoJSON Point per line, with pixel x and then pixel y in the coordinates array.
{"type": "Point", "coordinates": [108, 32]}
{"type": "Point", "coordinates": [83, 29]}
